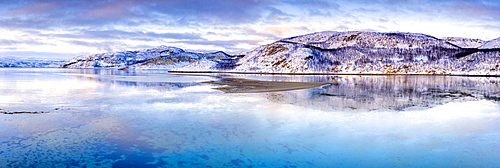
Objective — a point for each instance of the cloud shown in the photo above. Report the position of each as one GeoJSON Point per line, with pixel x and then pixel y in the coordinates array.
{"type": "Point", "coordinates": [321, 4]}
{"type": "Point", "coordinates": [230, 44]}
{"type": "Point", "coordinates": [315, 7]}
{"type": "Point", "coordinates": [121, 34]}
{"type": "Point", "coordinates": [97, 12]}
{"type": "Point", "coordinates": [227, 23]}
{"type": "Point", "coordinates": [34, 8]}
{"type": "Point", "coordinates": [102, 46]}
{"type": "Point", "coordinates": [275, 32]}
{"type": "Point", "coordinates": [6, 42]}
{"type": "Point", "coordinates": [219, 11]}
{"type": "Point", "coordinates": [24, 23]}
{"type": "Point", "coordinates": [472, 9]}
{"type": "Point", "coordinates": [61, 13]}
{"type": "Point", "coordinates": [38, 54]}
{"type": "Point", "coordinates": [277, 16]}
{"type": "Point", "coordinates": [475, 9]}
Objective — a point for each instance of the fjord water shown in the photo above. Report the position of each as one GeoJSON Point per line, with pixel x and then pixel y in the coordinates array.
{"type": "Point", "coordinates": [112, 118]}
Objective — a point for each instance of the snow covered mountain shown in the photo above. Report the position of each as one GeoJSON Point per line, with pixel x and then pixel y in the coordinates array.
{"type": "Point", "coordinates": [357, 39]}
{"type": "Point", "coordinates": [493, 44]}
{"type": "Point", "coordinates": [464, 42]}
{"type": "Point", "coordinates": [15, 62]}
{"type": "Point", "coordinates": [358, 52]}
{"type": "Point", "coordinates": [353, 52]}
{"type": "Point", "coordinates": [162, 57]}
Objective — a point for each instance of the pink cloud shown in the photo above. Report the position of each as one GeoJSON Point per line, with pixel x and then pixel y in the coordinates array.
{"type": "Point", "coordinates": [34, 8]}
{"type": "Point", "coordinates": [474, 9]}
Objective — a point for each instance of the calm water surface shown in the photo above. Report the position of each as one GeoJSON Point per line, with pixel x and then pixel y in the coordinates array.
{"type": "Point", "coordinates": [110, 118]}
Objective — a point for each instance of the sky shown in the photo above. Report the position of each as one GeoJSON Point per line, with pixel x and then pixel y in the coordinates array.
{"type": "Point", "coordinates": [69, 28]}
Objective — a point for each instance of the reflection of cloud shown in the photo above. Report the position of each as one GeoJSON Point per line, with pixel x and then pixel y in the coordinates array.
{"type": "Point", "coordinates": [54, 92]}
{"type": "Point", "coordinates": [203, 126]}
{"type": "Point", "coordinates": [464, 119]}
{"type": "Point", "coordinates": [256, 125]}
{"type": "Point", "coordinates": [58, 86]}
{"type": "Point", "coordinates": [59, 139]}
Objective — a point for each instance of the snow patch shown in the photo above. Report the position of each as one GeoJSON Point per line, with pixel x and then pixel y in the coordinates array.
{"type": "Point", "coordinates": [493, 44]}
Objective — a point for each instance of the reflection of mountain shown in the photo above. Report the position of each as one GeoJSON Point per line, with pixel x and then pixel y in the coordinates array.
{"type": "Point", "coordinates": [239, 85]}
{"type": "Point", "coordinates": [162, 86]}
{"type": "Point", "coordinates": [392, 92]}
{"type": "Point", "coordinates": [125, 78]}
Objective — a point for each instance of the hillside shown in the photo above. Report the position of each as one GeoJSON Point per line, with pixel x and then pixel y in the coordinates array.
{"type": "Point", "coordinates": [464, 42]}
{"type": "Point", "coordinates": [493, 44]}
{"type": "Point", "coordinates": [17, 62]}
{"type": "Point", "coordinates": [361, 53]}
{"type": "Point", "coordinates": [162, 57]}
{"type": "Point", "coordinates": [329, 52]}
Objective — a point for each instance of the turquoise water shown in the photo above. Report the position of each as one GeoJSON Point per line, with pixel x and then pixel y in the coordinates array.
{"type": "Point", "coordinates": [110, 118]}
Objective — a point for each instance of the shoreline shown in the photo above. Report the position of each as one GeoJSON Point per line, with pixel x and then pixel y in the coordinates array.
{"type": "Point", "coordinates": [302, 73]}
{"type": "Point", "coordinates": [240, 85]}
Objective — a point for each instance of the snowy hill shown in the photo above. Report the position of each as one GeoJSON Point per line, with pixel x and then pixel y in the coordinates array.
{"type": "Point", "coordinates": [361, 53]}
{"type": "Point", "coordinates": [493, 44]}
{"type": "Point", "coordinates": [15, 62]}
{"type": "Point", "coordinates": [329, 52]}
{"type": "Point", "coordinates": [162, 57]}
{"type": "Point", "coordinates": [357, 39]}
{"type": "Point", "coordinates": [465, 42]}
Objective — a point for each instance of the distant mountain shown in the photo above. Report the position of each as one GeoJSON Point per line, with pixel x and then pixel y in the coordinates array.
{"type": "Point", "coordinates": [464, 42]}
{"type": "Point", "coordinates": [162, 57]}
{"type": "Point", "coordinates": [358, 52]}
{"type": "Point", "coordinates": [329, 52]}
{"type": "Point", "coordinates": [16, 62]}
{"type": "Point", "coordinates": [493, 44]}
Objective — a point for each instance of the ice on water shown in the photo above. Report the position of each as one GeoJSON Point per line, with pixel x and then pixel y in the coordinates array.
{"type": "Point", "coordinates": [104, 118]}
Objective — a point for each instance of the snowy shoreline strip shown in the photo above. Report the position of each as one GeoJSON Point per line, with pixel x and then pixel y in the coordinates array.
{"type": "Point", "coordinates": [359, 74]}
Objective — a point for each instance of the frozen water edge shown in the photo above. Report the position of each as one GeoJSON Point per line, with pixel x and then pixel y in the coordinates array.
{"type": "Point", "coordinates": [108, 120]}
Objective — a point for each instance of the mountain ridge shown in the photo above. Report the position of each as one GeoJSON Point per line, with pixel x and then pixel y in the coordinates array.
{"type": "Point", "coordinates": [162, 57]}
{"type": "Point", "coordinates": [328, 52]}
{"type": "Point", "coordinates": [363, 53]}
